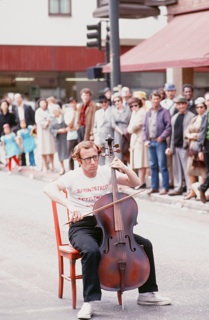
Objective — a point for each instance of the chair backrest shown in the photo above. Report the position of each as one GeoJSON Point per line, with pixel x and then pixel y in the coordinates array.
{"type": "Point", "coordinates": [57, 222]}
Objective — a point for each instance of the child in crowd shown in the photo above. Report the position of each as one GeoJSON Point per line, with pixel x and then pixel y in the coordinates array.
{"type": "Point", "coordinates": [28, 141]}
{"type": "Point", "coordinates": [10, 144]}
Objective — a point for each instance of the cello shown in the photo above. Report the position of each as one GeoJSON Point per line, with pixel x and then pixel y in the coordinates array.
{"type": "Point", "coordinates": [124, 265]}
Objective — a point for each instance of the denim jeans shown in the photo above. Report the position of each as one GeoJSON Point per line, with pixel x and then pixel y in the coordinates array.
{"type": "Point", "coordinates": [158, 161]}
{"type": "Point", "coordinates": [32, 159]}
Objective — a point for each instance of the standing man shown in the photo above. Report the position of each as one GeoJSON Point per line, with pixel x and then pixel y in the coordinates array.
{"type": "Point", "coordinates": [157, 128]}
{"type": "Point", "coordinates": [108, 94]}
{"type": "Point", "coordinates": [25, 112]}
{"type": "Point", "coordinates": [86, 116]}
{"type": "Point", "coordinates": [86, 184]}
{"type": "Point", "coordinates": [188, 94]}
{"type": "Point", "coordinates": [103, 125]}
{"type": "Point", "coordinates": [169, 104]}
{"type": "Point", "coordinates": [126, 95]}
{"type": "Point", "coordinates": [178, 145]}
{"type": "Point", "coordinates": [203, 144]}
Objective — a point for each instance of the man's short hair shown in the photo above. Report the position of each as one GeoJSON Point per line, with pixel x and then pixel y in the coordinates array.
{"type": "Point", "coordinates": [188, 85]}
{"type": "Point", "coordinates": [87, 91]}
{"type": "Point", "coordinates": [155, 93]}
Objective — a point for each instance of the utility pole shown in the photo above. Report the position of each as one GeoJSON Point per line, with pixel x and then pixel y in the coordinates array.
{"type": "Point", "coordinates": [114, 43]}
{"type": "Point", "coordinates": [107, 53]}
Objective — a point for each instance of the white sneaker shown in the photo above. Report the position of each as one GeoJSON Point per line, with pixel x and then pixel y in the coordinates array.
{"type": "Point", "coordinates": [153, 298]}
{"type": "Point", "coordinates": [19, 168]}
{"type": "Point", "coordinates": [86, 311]}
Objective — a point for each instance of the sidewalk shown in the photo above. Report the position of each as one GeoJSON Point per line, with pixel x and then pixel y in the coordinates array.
{"type": "Point", "coordinates": [176, 201]}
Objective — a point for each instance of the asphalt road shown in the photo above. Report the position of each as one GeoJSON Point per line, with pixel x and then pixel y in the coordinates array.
{"type": "Point", "coordinates": [28, 261]}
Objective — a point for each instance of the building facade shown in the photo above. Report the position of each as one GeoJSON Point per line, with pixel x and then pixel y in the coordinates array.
{"type": "Point", "coordinates": [43, 47]}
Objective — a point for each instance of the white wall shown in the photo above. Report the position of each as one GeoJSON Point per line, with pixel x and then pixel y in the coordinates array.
{"type": "Point", "coordinates": [26, 22]}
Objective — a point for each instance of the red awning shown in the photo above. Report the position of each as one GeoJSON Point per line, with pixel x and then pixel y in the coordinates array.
{"type": "Point", "coordinates": [183, 43]}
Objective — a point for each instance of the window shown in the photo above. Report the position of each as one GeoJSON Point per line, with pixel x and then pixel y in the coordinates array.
{"type": "Point", "coordinates": [59, 7]}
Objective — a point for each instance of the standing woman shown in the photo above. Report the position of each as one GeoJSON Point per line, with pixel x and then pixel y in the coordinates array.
{"type": "Point", "coordinates": [6, 117]}
{"type": "Point", "coordinates": [138, 151]}
{"type": "Point", "coordinates": [71, 120]}
{"type": "Point", "coordinates": [195, 167]}
{"type": "Point", "coordinates": [45, 141]}
{"type": "Point", "coordinates": [120, 120]}
{"type": "Point", "coordinates": [58, 129]}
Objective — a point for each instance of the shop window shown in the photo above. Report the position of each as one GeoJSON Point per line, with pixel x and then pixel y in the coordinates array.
{"type": "Point", "coordinates": [59, 7]}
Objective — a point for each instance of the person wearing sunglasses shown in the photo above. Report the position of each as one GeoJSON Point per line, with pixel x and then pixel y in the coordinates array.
{"type": "Point", "coordinates": [120, 120]}
{"type": "Point", "coordinates": [138, 151]}
{"type": "Point", "coordinates": [195, 167]}
{"type": "Point", "coordinates": [102, 125]}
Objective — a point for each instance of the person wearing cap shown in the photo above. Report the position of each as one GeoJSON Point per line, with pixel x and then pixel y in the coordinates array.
{"type": "Point", "coordinates": [188, 94]}
{"type": "Point", "coordinates": [138, 152]}
{"type": "Point", "coordinates": [196, 169]}
{"type": "Point", "coordinates": [103, 125]}
{"type": "Point", "coordinates": [146, 104]}
{"type": "Point", "coordinates": [157, 128]}
{"type": "Point", "coordinates": [86, 113]}
{"type": "Point", "coordinates": [178, 145]}
{"type": "Point", "coordinates": [203, 148]}
{"type": "Point", "coordinates": [168, 103]}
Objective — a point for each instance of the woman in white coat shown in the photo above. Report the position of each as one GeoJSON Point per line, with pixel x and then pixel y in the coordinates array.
{"type": "Point", "coordinates": [138, 152]}
{"type": "Point", "coordinates": [45, 140]}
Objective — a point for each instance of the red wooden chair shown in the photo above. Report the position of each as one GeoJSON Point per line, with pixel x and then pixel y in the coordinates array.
{"type": "Point", "coordinates": [65, 250]}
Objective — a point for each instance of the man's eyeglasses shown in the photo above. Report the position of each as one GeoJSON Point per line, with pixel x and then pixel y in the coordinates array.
{"type": "Point", "coordinates": [116, 101]}
{"type": "Point", "coordinates": [88, 160]}
{"type": "Point", "coordinates": [103, 101]}
{"type": "Point", "coordinates": [134, 105]}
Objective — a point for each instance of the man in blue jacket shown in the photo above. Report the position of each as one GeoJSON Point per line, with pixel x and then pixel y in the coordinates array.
{"type": "Point", "coordinates": [157, 127]}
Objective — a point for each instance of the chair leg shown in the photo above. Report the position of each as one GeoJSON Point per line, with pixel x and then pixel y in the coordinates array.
{"type": "Point", "coordinates": [61, 279]}
{"type": "Point", "coordinates": [119, 297]}
{"type": "Point", "coordinates": [73, 282]}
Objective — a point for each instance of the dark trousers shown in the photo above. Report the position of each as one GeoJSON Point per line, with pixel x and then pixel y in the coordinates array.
{"type": "Point", "coordinates": [71, 146]}
{"type": "Point", "coordinates": [86, 237]}
{"type": "Point", "coordinates": [81, 133]}
{"type": "Point", "coordinates": [204, 186]}
{"type": "Point", "coordinates": [23, 159]}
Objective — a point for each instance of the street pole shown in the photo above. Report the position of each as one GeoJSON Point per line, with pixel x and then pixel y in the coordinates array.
{"type": "Point", "coordinates": [107, 54]}
{"type": "Point", "coordinates": [114, 43]}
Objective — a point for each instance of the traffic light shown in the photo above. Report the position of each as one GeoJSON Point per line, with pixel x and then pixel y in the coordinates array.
{"type": "Point", "coordinates": [95, 35]}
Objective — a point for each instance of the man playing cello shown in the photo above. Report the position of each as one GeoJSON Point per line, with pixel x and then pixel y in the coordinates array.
{"type": "Point", "coordinates": [86, 184]}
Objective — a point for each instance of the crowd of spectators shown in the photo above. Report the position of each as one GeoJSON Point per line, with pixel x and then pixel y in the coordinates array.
{"type": "Point", "coordinates": [164, 136]}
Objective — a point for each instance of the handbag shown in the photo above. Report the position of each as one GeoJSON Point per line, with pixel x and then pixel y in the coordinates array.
{"type": "Point", "coordinates": [126, 142]}
{"type": "Point", "coordinates": [193, 148]}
